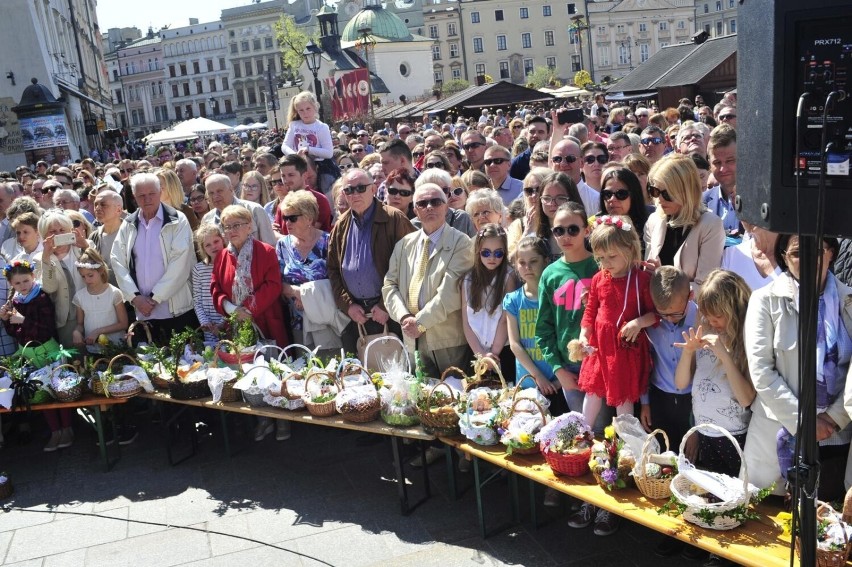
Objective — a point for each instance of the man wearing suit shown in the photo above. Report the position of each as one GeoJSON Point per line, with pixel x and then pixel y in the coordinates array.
{"type": "Point", "coordinates": [421, 288]}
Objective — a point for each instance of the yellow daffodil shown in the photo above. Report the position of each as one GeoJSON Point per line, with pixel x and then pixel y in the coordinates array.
{"type": "Point", "coordinates": [609, 432]}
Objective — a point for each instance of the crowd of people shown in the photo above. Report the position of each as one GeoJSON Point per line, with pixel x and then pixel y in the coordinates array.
{"type": "Point", "coordinates": [510, 235]}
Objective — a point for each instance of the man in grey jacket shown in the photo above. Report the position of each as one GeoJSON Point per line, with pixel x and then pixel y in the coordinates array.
{"type": "Point", "coordinates": [220, 192]}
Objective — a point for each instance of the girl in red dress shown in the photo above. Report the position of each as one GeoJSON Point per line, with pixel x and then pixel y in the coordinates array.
{"type": "Point", "coordinates": [617, 360]}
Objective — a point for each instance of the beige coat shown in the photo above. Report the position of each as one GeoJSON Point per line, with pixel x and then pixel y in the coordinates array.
{"type": "Point", "coordinates": [451, 259]}
{"type": "Point", "coordinates": [700, 253]}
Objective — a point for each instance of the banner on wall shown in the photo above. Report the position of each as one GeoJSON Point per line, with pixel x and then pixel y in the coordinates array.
{"type": "Point", "coordinates": [10, 133]}
{"type": "Point", "coordinates": [43, 132]}
{"type": "Point", "coordinates": [350, 94]}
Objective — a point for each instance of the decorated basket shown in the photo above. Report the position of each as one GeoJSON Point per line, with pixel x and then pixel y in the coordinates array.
{"type": "Point", "coordinates": [233, 360]}
{"type": "Point", "coordinates": [623, 474]}
{"type": "Point", "coordinates": [131, 332]}
{"type": "Point", "coordinates": [569, 464]}
{"type": "Point", "coordinates": [122, 386]}
{"type": "Point", "coordinates": [478, 422]}
{"type": "Point", "coordinates": [320, 409]}
{"type": "Point", "coordinates": [71, 394]}
{"type": "Point", "coordinates": [254, 396]}
{"type": "Point", "coordinates": [652, 487]}
{"type": "Point", "coordinates": [440, 419]}
{"type": "Point", "coordinates": [486, 374]}
{"type": "Point", "coordinates": [362, 411]}
{"type": "Point", "coordinates": [530, 447]}
{"type": "Point", "coordinates": [829, 557]}
{"type": "Point", "coordinates": [95, 383]}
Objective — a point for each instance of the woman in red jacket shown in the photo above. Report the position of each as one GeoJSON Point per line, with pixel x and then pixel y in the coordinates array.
{"type": "Point", "coordinates": [246, 277]}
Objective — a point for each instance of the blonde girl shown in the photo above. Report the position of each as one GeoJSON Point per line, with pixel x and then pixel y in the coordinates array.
{"type": "Point", "coordinates": [209, 242]}
{"type": "Point", "coordinates": [308, 136]}
{"type": "Point", "coordinates": [101, 315]}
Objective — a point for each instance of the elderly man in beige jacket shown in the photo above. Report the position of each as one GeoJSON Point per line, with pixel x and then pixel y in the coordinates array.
{"type": "Point", "coordinates": [421, 288]}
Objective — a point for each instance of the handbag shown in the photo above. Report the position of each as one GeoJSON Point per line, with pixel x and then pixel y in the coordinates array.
{"type": "Point", "coordinates": [382, 346]}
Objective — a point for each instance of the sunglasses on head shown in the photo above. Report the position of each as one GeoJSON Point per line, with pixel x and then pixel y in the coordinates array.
{"type": "Point", "coordinates": [434, 203]}
{"type": "Point", "coordinates": [530, 191]}
{"type": "Point", "coordinates": [657, 192]}
{"type": "Point", "coordinates": [487, 253]}
{"type": "Point", "coordinates": [290, 218]}
{"type": "Point", "coordinates": [620, 194]}
{"type": "Point", "coordinates": [570, 230]}
{"type": "Point", "coordinates": [350, 189]}
{"type": "Point", "coordinates": [568, 159]}
{"type": "Point", "coordinates": [437, 164]}
{"type": "Point", "coordinates": [495, 161]}
{"type": "Point", "coordinates": [601, 159]}
{"type": "Point", "coordinates": [655, 140]}
{"type": "Point", "coordinates": [401, 192]}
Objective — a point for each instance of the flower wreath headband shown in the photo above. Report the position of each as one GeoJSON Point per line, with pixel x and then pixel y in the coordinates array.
{"type": "Point", "coordinates": [613, 221]}
{"type": "Point", "coordinates": [7, 271]}
{"type": "Point", "coordinates": [88, 265]}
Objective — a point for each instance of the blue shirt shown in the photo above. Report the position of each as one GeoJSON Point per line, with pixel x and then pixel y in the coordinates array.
{"type": "Point", "coordinates": [510, 190]}
{"type": "Point", "coordinates": [525, 310]}
{"type": "Point", "coordinates": [666, 355]}
{"type": "Point", "coordinates": [358, 268]}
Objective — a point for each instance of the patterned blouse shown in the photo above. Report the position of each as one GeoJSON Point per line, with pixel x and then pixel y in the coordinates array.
{"type": "Point", "coordinates": [296, 270]}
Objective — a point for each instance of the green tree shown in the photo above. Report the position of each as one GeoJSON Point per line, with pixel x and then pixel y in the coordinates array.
{"type": "Point", "coordinates": [582, 78]}
{"type": "Point", "coordinates": [292, 40]}
{"type": "Point", "coordinates": [453, 86]}
{"type": "Point", "coordinates": [542, 77]}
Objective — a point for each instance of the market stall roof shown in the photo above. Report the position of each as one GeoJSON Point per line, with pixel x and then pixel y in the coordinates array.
{"type": "Point", "coordinates": [167, 136]}
{"type": "Point", "coordinates": [501, 93]}
{"type": "Point", "coordinates": [202, 126]}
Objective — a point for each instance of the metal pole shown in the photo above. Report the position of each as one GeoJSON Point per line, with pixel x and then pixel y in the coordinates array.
{"type": "Point", "coordinates": [318, 92]}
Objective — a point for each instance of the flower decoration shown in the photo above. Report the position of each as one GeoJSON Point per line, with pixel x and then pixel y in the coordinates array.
{"type": "Point", "coordinates": [566, 434]}
{"type": "Point", "coordinates": [7, 271]}
{"type": "Point", "coordinates": [606, 459]}
{"type": "Point", "coordinates": [615, 221]}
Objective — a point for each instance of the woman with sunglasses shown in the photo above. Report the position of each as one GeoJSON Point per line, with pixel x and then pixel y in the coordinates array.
{"type": "Point", "coordinates": [682, 233]}
{"type": "Point", "coordinates": [345, 162]}
{"type": "Point", "coordinates": [622, 195]}
{"type": "Point", "coordinates": [399, 188]}
{"type": "Point", "coordinates": [456, 218]}
{"type": "Point", "coordinates": [437, 158]}
{"type": "Point", "coordinates": [457, 199]}
{"type": "Point", "coordinates": [595, 156]}
{"type": "Point", "coordinates": [198, 201]}
{"type": "Point", "coordinates": [532, 189]}
{"type": "Point", "coordinates": [556, 189]}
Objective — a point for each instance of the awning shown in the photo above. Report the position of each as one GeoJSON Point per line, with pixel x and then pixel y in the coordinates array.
{"type": "Point", "coordinates": [636, 96]}
{"type": "Point", "coordinates": [80, 95]}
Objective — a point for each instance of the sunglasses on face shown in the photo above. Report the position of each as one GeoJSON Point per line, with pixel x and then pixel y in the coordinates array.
{"type": "Point", "coordinates": [245, 158]}
{"type": "Point", "coordinates": [290, 218]}
{"type": "Point", "coordinates": [648, 141]}
{"type": "Point", "coordinates": [434, 203]}
{"type": "Point", "coordinates": [560, 231]}
{"type": "Point", "coordinates": [568, 159]}
{"type": "Point", "coordinates": [601, 159]}
{"type": "Point", "coordinates": [126, 170]}
{"type": "Point", "coordinates": [278, 181]}
{"type": "Point", "coordinates": [531, 191]}
{"type": "Point", "coordinates": [437, 164]}
{"type": "Point", "coordinates": [76, 224]}
{"type": "Point", "coordinates": [417, 154]}
{"type": "Point", "coordinates": [357, 150]}
{"type": "Point", "coordinates": [727, 117]}
{"type": "Point", "coordinates": [620, 194]}
{"type": "Point", "coordinates": [487, 253]}
{"type": "Point", "coordinates": [495, 161]}
{"type": "Point", "coordinates": [346, 166]}
{"type": "Point", "coordinates": [450, 192]}
{"type": "Point", "coordinates": [350, 189]}
{"type": "Point", "coordinates": [657, 192]}
{"type": "Point", "coordinates": [472, 146]}
{"type": "Point", "coordinates": [401, 192]}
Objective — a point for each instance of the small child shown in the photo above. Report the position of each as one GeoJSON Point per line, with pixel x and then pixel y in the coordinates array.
{"type": "Point", "coordinates": [714, 362]}
{"type": "Point", "coordinates": [482, 293]}
{"type": "Point", "coordinates": [101, 315]}
{"type": "Point", "coordinates": [307, 135]}
{"type": "Point", "coordinates": [27, 241]}
{"type": "Point", "coordinates": [210, 242]}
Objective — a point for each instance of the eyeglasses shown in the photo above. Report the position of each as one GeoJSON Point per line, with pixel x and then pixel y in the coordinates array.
{"type": "Point", "coordinates": [357, 150]}
{"type": "Point", "coordinates": [290, 218]}
{"type": "Point", "coordinates": [126, 170]}
{"type": "Point", "coordinates": [417, 154]}
{"type": "Point", "coordinates": [233, 227]}
{"type": "Point", "coordinates": [560, 231]}
{"type": "Point", "coordinates": [641, 116]}
{"type": "Point", "coordinates": [531, 191]}
{"type": "Point", "coordinates": [657, 192]}
{"type": "Point", "coordinates": [655, 140]}
{"type": "Point", "coordinates": [350, 189]}
{"type": "Point", "coordinates": [692, 136]}
{"type": "Point", "coordinates": [601, 159]}
{"type": "Point", "coordinates": [614, 148]}
{"type": "Point", "coordinates": [568, 159]}
{"type": "Point", "coordinates": [548, 200]}
{"type": "Point", "coordinates": [245, 158]}
{"type": "Point", "coordinates": [275, 182]}
{"type": "Point", "coordinates": [194, 200]}
{"type": "Point", "coordinates": [484, 213]}
{"type": "Point", "coordinates": [401, 192]}
{"type": "Point", "coordinates": [727, 116]}
{"type": "Point", "coordinates": [495, 161]}
{"type": "Point", "coordinates": [438, 164]}
{"type": "Point", "coordinates": [345, 166]}
{"type": "Point", "coordinates": [472, 146]}
{"type": "Point", "coordinates": [677, 315]}
{"type": "Point", "coordinates": [487, 253]}
{"type": "Point", "coordinates": [435, 202]}
{"type": "Point", "coordinates": [620, 194]}
{"type": "Point", "coordinates": [517, 127]}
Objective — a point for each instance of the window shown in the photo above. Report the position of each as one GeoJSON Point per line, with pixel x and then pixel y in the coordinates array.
{"type": "Point", "coordinates": [643, 53]}
{"type": "Point", "coordinates": [524, 13]}
{"type": "Point", "coordinates": [259, 65]}
{"type": "Point", "coordinates": [551, 63]}
{"type": "Point", "coordinates": [172, 71]}
{"type": "Point", "coordinates": [255, 44]}
{"type": "Point", "coordinates": [575, 63]}
{"type": "Point", "coordinates": [156, 113]}
{"type": "Point", "coordinates": [199, 87]}
{"type": "Point", "coordinates": [212, 85]}
{"type": "Point", "coordinates": [451, 28]}
{"type": "Point", "coordinates": [456, 73]}
{"type": "Point", "coordinates": [545, 11]}
{"type": "Point", "coordinates": [526, 40]}
{"type": "Point", "coordinates": [706, 8]}
{"type": "Point", "coordinates": [548, 38]}
{"type": "Point", "coordinates": [474, 17]}
{"type": "Point", "coordinates": [572, 8]}
{"type": "Point", "coordinates": [224, 83]}
{"type": "Point", "coordinates": [228, 108]}
{"type": "Point", "coordinates": [250, 94]}
{"type": "Point", "coordinates": [234, 49]}
{"type": "Point", "coordinates": [118, 96]}
{"type": "Point", "coordinates": [732, 26]}
{"type": "Point", "coordinates": [221, 63]}
{"type": "Point", "coordinates": [620, 28]}
{"type": "Point", "coordinates": [498, 15]}
{"type": "Point", "coordinates": [601, 30]}
{"type": "Point", "coordinates": [719, 28]}
{"type": "Point", "coordinates": [267, 42]}
{"type": "Point", "coordinates": [573, 37]}
{"type": "Point", "coordinates": [732, 3]}
{"type": "Point", "coordinates": [244, 45]}
{"type": "Point", "coordinates": [623, 54]}
{"type": "Point", "coordinates": [436, 53]}
{"type": "Point", "coordinates": [247, 65]}
{"type": "Point", "coordinates": [241, 97]}
{"type": "Point", "coordinates": [270, 64]}
{"type": "Point", "coordinates": [664, 25]}
{"type": "Point", "coordinates": [528, 67]}
{"type": "Point", "coordinates": [479, 68]}
{"type": "Point", "coordinates": [454, 50]}
{"type": "Point", "coordinates": [664, 44]}
{"type": "Point", "coordinates": [681, 25]}
{"type": "Point", "coordinates": [438, 74]}
{"type": "Point", "coordinates": [178, 113]}
{"type": "Point", "coordinates": [718, 5]}
{"type": "Point", "coordinates": [707, 28]}
{"type": "Point", "coordinates": [477, 45]}
{"type": "Point", "coordinates": [186, 89]}
{"type": "Point", "coordinates": [115, 74]}
{"type": "Point", "coordinates": [237, 71]}
{"type": "Point", "coordinates": [202, 109]}
{"type": "Point", "coordinates": [433, 32]}
{"type": "Point", "coordinates": [501, 43]}
{"type": "Point", "coordinates": [196, 68]}
{"type": "Point", "coordinates": [182, 69]}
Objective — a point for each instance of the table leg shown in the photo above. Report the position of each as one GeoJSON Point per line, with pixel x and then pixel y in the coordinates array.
{"type": "Point", "coordinates": [479, 484]}
{"type": "Point", "coordinates": [480, 510]}
{"type": "Point", "coordinates": [533, 515]}
{"type": "Point", "coordinates": [513, 497]}
{"type": "Point", "coordinates": [168, 422]}
{"type": "Point", "coordinates": [99, 427]}
{"type": "Point", "coordinates": [223, 419]}
{"type": "Point", "coordinates": [451, 472]}
{"type": "Point", "coordinates": [406, 507]}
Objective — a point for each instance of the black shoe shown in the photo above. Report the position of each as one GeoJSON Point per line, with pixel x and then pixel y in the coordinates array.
{"type": "Point", "coordinates": [693, 553]}
{"type": "Point", "coordinates": [127, 434]}
{"type": "Point", "coordinates": [668, 547]}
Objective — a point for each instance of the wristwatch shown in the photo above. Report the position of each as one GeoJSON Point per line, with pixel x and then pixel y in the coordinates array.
{"type": "Point", "coordinates": [420, 328]}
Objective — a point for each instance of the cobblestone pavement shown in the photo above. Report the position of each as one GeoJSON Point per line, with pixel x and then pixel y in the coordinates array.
{"type": "Point", "coordinates": [321, 498]}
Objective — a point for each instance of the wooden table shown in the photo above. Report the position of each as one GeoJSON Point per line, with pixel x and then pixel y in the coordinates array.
{"type": "Point", "coordinates": [89, 401]}
{"type": "Point", "coordinates": [757, 542]}
{"type": "Point", "coordinates": [396, 434]}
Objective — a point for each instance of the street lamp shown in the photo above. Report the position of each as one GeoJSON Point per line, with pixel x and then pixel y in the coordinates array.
{"type": "Point", "coordinates": [213, 104]}
{"type": "Point", "coordinates": [366, 41]}
{"type": "Point", "coordinates": [313, 59]}
{"type": "Point", "coordinates": [578, 26]}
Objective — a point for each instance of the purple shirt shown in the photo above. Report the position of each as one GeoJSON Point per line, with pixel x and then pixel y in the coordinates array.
{"type": "Point", "coordinates": [358, 268]}
{"type": "Point", "coordinates": [148, 259]}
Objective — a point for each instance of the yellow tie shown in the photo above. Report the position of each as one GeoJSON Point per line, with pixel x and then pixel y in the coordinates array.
{"type": "Point", "coordinates": [417, 281]}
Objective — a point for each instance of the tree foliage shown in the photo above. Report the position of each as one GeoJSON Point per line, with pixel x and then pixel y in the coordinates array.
{"type": "Point", "coordinates": [582, 78]}
{"type": "Point", "coordinates": [453, 86]}
{"type": "Point", "coordinates": [543, 77]}
{"type": "Point", "coordinates": [292, 40]}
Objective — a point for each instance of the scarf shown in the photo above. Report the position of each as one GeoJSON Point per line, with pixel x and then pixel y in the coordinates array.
{"type": "Point", "coordinates": [30, 296]}
{"type": "Point", "coordinates": [243, 288]}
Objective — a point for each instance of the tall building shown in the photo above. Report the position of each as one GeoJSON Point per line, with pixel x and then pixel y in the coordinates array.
{"type": "Point", "coordinates": [139, 69]}
{"type": "Point", "coordinates": [58, 43]}
{"type": "Point", "coordinates": [198, 77]}
{"type": "Point", "coordinates": [442, 22]}
{"type": "Point", "coordinates": [626, 33]}
{"type": "Point", "coordinates": [716, 17]}
{"type": "Point", "coordinates": [507, 39]}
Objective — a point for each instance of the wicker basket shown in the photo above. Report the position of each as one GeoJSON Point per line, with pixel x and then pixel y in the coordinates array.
{"type": "Point", "coordinates": [71, 394]}
{"type": "Point", "coordinates": [232, 361]}
{"type": "Point", "coordinates": [623, 474]}
{"type": "Point", "coordinates": [122, 387]}
{"type": "Point", "coordinates": [194, 390]}
{"type": "Point", "coordinates": [480, 367]}
{"type": "Point", "coordinates": [652, 488]}
{"type": "Point", "coordinates": [324, 409]}
{"type": "Point", "coordinates": [440, 420]}
{"type": "Point", "coordinates": [229, 393]}
{"type": "Point", "coordinates": [362, 412]}
{"type": "Point", "coordinates": [145, 326]}
{"type": "Point", "coordinates": [525, 450]}
{"type": "Point", "coordinates": [824, 557]}
{"type": "Point", "coordinates": [682, 488]}
{"type": "Point", "coordinates": [254, 398]}
{"type": "Point", "coordinates": [569, 464]}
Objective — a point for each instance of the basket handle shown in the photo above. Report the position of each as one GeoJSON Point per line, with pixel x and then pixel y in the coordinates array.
{"type": "Point", "coordinates": [323, 374]}
{"type": "Point", "coordinates": [284, 351]}
{"type": "Point", "coordinates": [146, 326]}
{"type": "Point", "coordinates": [344, 365]}
{"type": "Point", "coordinates": [826, 512]}
{"type": "Point", "coordinates": [116, 357]}
{"type": "Point", "coordinates": [643, 459]}
{"type": "Point", "coordinates": [710, 427]}
{"type": "Point", "coordinates": [55, 368]}
{"type": "Point", "coordinates": [479, 368]}
{"type": "Point", "coordinates": [434, 388]}
{"type": "Point", "coordinates": [452, 371]}
{"type": "Point", "coordinates": [388, 336]}
{"type": "Point", "coordinates": [538, 405]}
{"type": "Point", "coordinates": [261, 349]}
{"type": "Point", "coordinates": [218, 348]}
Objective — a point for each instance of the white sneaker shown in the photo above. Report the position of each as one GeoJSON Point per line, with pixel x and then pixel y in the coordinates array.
{"type": "Point", "coordinates": [282, 430]}
{"type": "Point", "coordinates": [264, 428]}
{"type": "Point", "coordinates": [552, 498]}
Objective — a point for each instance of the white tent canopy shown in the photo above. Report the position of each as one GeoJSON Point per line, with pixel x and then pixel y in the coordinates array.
{"type": "Point", "coordinates": [242, 128]}
{"type": "Point", "coordinates": [203, 126]}
{"type": "Point", "coordinates": [168, 136]}
{"type": "Point", "coordinates": [257, 126]}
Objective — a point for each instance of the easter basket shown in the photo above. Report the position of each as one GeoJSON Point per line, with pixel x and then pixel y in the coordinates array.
{"type": "Point", "coordinates": [486, 374]}
{"type": "Point", "coordinates": [566, 443]}
{"type": "Point", "coordinates": [320, 402]}
{"type": "Point", "coordinates": [398, 387]}
{"type": "Point", "coordinates": [120, 385]}
{"type": "Point", "coordinates": [611, 460]}
{"type": "Point", "coordinates": [519, 428]}
{"type": "Point", "coordinates": [436, 410]}
{"type": "Point", "coordinates": [68, 387]}
{"type": "Point", "coordinates": [650, 473]}
{"type": "Point", "coordinates": [233, 361]}
{"type": "Point", "coordinates": [358, 403]}
{"type": "Point", "coordinates": [833, 543]}
{"type": "Point", "coordinates": [478, 414]}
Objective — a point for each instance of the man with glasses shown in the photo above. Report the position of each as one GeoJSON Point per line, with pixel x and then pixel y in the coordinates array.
{"type": "Point", "coordinates": [728, 115]}
{"type": "Point", "coordinates": [152, 257]}
{"type": "Point", "coordinates": [164, 154]}
{"type": "Point", "coordinates": [246, 155]}
{"type": "Point", "coordinates": [363, 138]}
{"type": "Point", "coordinates": [48, 189]}
{"type": "Point", "coordinates": [291, 172]}
{"type": "Point", "coordinates": [619, 146]}
{"type": "Point", "coordinates": [69, 200]}
{"type": "Point", "coordinates": [473, 143]}
{"type": "Point", "coordinates": [538, 130]}
{"type": "Point", "coordinates": [357, 150]}
{"type": "Point", "coordinates": [565, 158]}
{"type": "Point", "coordinates": [723, 165]}
{"type": "Point", "coordinates": [187, 172]}
{"type": "Point", "coordinates": [497, 163]}
{"type": "Point", "coordinates": [403, 131]}
{"type": "Point", "coordinates": [125, 170]}
{"type": "Point", "coordinates": [690, 141]}
{"type": "Point", "coordinates": [653, 142]}
{"type": "Point", "coordinates": [421, 288]}
{"type": "Point", "coordinates": [220, 193]}
{"type": "Point", "coordinates": [359, 252]}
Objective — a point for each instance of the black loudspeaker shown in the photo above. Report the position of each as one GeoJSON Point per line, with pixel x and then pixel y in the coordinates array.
{"type": "Point", "coordinates": [785, 49]}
